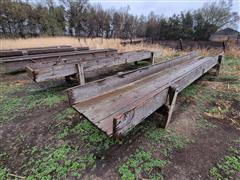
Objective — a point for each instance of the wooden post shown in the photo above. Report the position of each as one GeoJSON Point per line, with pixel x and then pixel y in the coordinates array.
{"type": "Point", "coordinates": [218, 66]}
{"type": "Point", "coordinates": [223, 46]}
{"type": "Point", "coordinates": [180, 43]}
{"type": "Point", "coordinates": [80, 74]}
{"type": "Point", "coordinates": [168, 108]}
{"type": "Point", "coordinates": [152, 57]}
{"type": "Point", "coordinates": [172, 101]}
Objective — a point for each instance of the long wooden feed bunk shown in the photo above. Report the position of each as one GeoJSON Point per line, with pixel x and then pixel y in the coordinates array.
{"type": "Point", "coordinates": [84, 67]}
{"type": "Point", "coordinates": [118, 103]}
{"type": "Point", "coordinates": [13, 64]}
{"type": "Point", "coordinates": [38, 50]}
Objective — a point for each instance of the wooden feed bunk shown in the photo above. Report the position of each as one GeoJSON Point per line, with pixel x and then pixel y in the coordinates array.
{"type": "Point", "coordinates": [118, 103]}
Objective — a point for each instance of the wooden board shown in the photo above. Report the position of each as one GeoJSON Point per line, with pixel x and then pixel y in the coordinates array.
{"type": "Point", "coordinates": [39, 50]}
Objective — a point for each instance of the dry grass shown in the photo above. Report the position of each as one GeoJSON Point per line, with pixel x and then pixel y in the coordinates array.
{"type": "Point", "coordinates": [233, 52]}
{"type": "Point", "coordinates": [55, 41]}
{"type": "Point", "coordinates": [92, 43]}
{"type": "Point", "coordinates": [161, 53]}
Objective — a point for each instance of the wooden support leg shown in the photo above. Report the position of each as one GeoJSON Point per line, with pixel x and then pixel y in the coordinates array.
{"type": "Point", "coordinates": [218, 66]}
{"type": "Point", "coordinates": [169, 106]}
{"type": "Point", "coordinates": [152, 57]}
{"type": "Point", "coordinates": [80, 74]}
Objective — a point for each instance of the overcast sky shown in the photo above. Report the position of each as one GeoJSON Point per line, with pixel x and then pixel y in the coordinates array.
{"type": "Point", "coordinates": [161, 7]}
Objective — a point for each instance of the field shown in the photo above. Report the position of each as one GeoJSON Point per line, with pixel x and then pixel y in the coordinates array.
{"type": "Point", "coordinates": [43, 138]}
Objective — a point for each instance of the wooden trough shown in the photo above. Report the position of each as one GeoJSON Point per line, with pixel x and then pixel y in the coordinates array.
{"type": "Point", "coordinates": [118, 103]}
{"type": "Point", "coordinates": [83, 67]}
{"type": "Point", "coordinates": [38, 50]}
{"type": "Point", "coordinates": [13, 64]}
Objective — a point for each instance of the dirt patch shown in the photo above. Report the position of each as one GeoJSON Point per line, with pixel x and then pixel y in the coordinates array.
{"type": "Point", "coordinates": [196, 159]}
{"type": "Point", "coordinates": [234, 114]}
{"type": "Point", "coordinates": [26, 132]}
{"type": "Point", "coordinates": [110, 160]}
{"type": "Point", "coordinates": [184, 119]}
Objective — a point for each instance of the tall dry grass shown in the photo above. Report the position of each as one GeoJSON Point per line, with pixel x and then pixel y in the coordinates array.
{"type": "Point", "coordinates": [233, 52]}
{"type": "Point", "coordinates": [92, 43]}
{"type": "Point", "coordinates": [98, 43]}
{"type": "Point", "coordinates": [56, 41]}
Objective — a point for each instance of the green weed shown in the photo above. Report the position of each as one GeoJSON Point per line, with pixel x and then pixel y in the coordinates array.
{"type": "Point", "coordinates": [89, 134]}
{"type": "Point", "coordinates": [141, 163]}
{"type": "Point", "coordinates": [58, 163]}
{"type": "Point", "coordinates": [191, 90]}
{"type": "Point", "coordinates": [203, 123]}
{"type": "Point", "coordinates": [230, 61]}
{"type": "Point", "coordinates": [228, 166]}
{"type": "Point", "coordinates": [168, 139]}
{"type": "Point", "coordinates": [13, 106]}
{"type": "Point", "coordinates": [3, 173]}
{"type": "Point", "coordinates": [66, 114]}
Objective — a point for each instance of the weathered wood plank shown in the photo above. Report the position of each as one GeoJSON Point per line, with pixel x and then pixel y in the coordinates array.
{"type": "Point", "coordinates": [62, 70]}
{"type": "Point", "coordinates": [19, 64]}
{"type": "Point", "coordinates": [39, 50]}
{"type": "Point", "coordinates": [55, 56]}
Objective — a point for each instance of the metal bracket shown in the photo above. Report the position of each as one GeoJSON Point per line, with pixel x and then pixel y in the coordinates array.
{"type": "Point", "coordinates": [80, 74]}
{"type": "Point", "coordinates": [169, 106]}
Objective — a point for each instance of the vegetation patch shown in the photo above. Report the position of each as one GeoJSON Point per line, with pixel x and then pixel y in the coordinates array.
{"type": "Point", "coordinates": [229, 166]}
{"type": "Point", "coordinates": [3, 173]}
{"type": "Point", "coordinates": [190, 91]}
{"type": "Point", "coordinates": [13, 106]}
{"type": "Point", "coordinates": [141, 165]}
{"type": "Point", "coordinates": [88, 133]}
{"type": "Point", "coordinates": [166, 139]}
{"type": "Point", "coordinates": [58, 163]}
{"type": "Point", "coordinates": [203, 123]}
{"type": "Point", "coordinates": [65, 116]}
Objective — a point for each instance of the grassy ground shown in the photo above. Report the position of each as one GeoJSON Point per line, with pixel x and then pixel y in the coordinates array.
{"type": "Point", "coordinates": [43, 138]}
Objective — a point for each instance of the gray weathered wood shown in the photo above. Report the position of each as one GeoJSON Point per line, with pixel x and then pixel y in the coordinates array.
{"type": "Point", "coordinates": [56, 56]}
{"type": "Point", "coordinates": [172, 102]}
{"type": "Point", "coordinates": [80, 73]}
{"type": "Point", "coordinates": [57, 71]}
{"type": "Point", "coordinates": [41, 50]}
{"type": "Point", "coordinates": [46, 60]}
